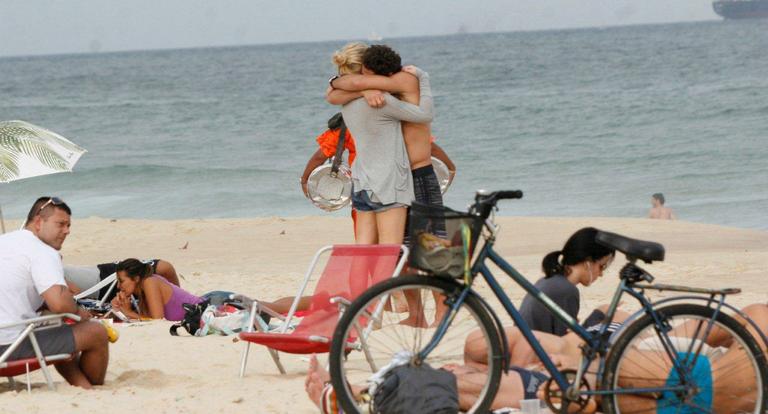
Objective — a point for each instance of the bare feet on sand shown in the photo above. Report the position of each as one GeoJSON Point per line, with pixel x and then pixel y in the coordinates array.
{"type": "Point", "coordinates": [316, 379]}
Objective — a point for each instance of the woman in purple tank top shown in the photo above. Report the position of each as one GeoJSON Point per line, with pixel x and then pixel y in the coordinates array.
{"type": "Point", "coordinates": [158, 298]}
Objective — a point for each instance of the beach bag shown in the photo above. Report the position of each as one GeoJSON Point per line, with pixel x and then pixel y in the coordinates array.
{"type": "Point", "coordinates": [191, 320]}
{"type": "Point", "coordinates": [222, 320]}
{"type": "Point", "coordinates": [418, 389]}
{"type": "Point", "coordinates": [217, 314]}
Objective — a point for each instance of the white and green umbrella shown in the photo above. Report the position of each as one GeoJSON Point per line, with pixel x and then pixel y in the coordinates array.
{"type": "Point", "coordinates": [28, 150]}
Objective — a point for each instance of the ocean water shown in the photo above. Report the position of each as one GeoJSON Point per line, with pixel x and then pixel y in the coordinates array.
{"type": "Point", "coordinates": [586, 122]}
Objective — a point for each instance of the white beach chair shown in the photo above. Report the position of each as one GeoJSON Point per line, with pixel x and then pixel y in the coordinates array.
{"type": "Point", "coordinates": [110, 281]}
{"type": "Point", "coordinates": [12, 368]}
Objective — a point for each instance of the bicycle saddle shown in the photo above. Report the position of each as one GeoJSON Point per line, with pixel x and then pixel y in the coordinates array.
{"type": "Point", "coordinates": [634, 249]}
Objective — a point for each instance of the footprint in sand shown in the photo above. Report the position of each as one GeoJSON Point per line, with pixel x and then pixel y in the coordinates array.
{"type": "Point", "coordinates": [151, 378]}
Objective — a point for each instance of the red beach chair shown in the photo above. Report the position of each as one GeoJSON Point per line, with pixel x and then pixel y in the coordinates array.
{"type": "Point", "coordinates": [350, 270]}
{"type": "Point", "coordinates": [12, 368]}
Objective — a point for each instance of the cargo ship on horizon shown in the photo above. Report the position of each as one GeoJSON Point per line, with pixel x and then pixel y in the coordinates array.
{"type": "Point", "coordinates": [741, 9]}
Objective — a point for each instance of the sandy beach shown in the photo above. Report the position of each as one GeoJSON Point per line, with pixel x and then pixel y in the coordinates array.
{"type": "Point", "coordinates": [265, 258]}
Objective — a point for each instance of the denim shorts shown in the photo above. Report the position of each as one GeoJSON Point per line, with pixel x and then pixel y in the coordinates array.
{"type": "Point", "coordinates": [361, 201]}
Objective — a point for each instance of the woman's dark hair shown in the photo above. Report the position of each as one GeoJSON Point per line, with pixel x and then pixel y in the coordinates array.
{"type": "Point", "coordinates": [581, 246]}
{"type": "Point", "coordinates": [135, 268]}
{"type": "Point", "coordinates": [382, 60]}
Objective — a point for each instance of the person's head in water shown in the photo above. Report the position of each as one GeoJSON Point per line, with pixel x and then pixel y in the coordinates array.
{"type": "Point", "coordinates": [381, 60]}
{"type": "Point", "coordinates": [130, 274]}
{"type": "Point", "coordinates": [49, 219]}
{"type": "Point", "coordinates": [349, 60]}
{"type": "Point", "coordinates": [657, 200]}
{"type": "Point", "coordinates": [582, 260]}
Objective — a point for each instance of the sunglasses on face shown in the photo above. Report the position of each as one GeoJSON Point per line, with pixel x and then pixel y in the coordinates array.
{"type": "Point", "coordinates": [53, 201]}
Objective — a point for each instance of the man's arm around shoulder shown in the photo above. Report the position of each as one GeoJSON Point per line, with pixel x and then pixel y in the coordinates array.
{"type": "Point", "coordinates": [399, 82]}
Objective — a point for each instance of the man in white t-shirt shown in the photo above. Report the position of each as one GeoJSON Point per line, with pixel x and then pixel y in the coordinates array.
{"type": "Point", "coordinates": [32, 278]}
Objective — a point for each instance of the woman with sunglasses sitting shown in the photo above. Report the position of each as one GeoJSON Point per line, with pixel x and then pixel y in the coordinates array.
{"type": "Point", "coordinates": [581, 261]}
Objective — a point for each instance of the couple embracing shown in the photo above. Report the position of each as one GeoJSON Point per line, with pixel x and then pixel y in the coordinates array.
{"type": "Point", "coordinates": [391, 126]}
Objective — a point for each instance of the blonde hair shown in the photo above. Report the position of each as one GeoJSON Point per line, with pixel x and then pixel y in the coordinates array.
{"type": "Point", "coordinates": [350, 58]}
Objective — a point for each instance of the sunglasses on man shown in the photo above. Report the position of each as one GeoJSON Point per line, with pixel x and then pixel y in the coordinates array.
{"type": "Point", "coordinates": [52, 201]}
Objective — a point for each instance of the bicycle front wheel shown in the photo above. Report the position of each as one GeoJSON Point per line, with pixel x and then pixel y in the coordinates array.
{"type": "Point", "coordinates": [702, 362]}
{"type": "Point", "coordinates": [372, 331]}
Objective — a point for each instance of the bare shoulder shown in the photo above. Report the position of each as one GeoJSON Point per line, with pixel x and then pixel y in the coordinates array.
{"type": "Point", "coordinates": [152, 283]}
{"type": "Point", "coordinates": [408, 80]}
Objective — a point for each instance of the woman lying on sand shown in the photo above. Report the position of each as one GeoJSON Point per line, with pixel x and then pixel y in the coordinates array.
{"type": "Point", "coordinates": [80, 278]}
{"type": "Point", "coordinates": [160, 299]}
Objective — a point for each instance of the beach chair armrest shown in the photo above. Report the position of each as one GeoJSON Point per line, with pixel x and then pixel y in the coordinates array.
{"type": "Point", "coordinates": [53, 319]}
{"type": "Point", "coordinates": [342, 302]}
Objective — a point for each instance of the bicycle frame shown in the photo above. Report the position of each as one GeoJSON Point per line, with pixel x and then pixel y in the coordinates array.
{"type": "Point", "coordinates": [595, 343]}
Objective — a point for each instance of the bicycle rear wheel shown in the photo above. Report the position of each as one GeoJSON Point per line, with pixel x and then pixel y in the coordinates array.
{"type": "Point", "coordinates": [354, 359]}
{"type": "Point", "coordinates": [720, 371]}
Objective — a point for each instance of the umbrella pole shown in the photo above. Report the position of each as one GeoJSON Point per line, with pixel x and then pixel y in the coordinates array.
{"type": "Point", "coordinates": [2, 220]}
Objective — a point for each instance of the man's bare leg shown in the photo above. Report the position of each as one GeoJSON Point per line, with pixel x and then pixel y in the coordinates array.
{"type": "Point", "coordinates": [90, 367]}
{"type": "Point", "coordinates": [283, 305]}
{"type": "Point", "coordinates": [521, 353]}
{"type": "Point", "coordinates": [316, 380]}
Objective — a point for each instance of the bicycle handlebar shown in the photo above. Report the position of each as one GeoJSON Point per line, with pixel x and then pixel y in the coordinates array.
{"type": "Point", "coordinates": [485, 201]}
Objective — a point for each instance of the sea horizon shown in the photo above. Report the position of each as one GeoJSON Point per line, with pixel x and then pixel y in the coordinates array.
{"type": "Point", "coordinates": [343, 40]}
{"type": "Point", "coordinates": [586, 121]}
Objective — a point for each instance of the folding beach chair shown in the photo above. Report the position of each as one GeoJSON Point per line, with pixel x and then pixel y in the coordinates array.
{"type": "Point", "coordinates": [12, 368]}
{"type": "Point", "coordinates": [350, 270]}
{"type": "Point", "coordinates": [109, 281]}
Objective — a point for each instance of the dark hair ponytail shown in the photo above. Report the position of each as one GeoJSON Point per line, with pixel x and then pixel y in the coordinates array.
{"type": "Point", "coordinates": [580, 247]}
{"type": "Point", "coordinates": [551, 264]}
{"type": "Point", "coordinates": [135, 268]}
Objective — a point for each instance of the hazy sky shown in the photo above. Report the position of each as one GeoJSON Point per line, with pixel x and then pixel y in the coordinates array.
{"type": "Point", "coordinates": [32, 27]}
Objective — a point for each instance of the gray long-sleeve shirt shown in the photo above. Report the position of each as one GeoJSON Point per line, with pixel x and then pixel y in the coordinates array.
{"type": "Point", "coordinates": [382, 167]}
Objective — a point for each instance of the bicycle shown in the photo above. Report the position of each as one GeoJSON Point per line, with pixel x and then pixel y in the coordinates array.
{"type": "Point", "coordinates": [659, 358]}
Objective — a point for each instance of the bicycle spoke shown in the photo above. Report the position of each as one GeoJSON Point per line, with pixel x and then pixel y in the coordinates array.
{"type": "Point", "coordinates": [390, 337]}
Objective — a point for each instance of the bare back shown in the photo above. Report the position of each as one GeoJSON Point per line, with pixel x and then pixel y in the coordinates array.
{"type": "Point", "coordinates": [661, 213]}
{"type": "Point", "coordinates": [417, 136]}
